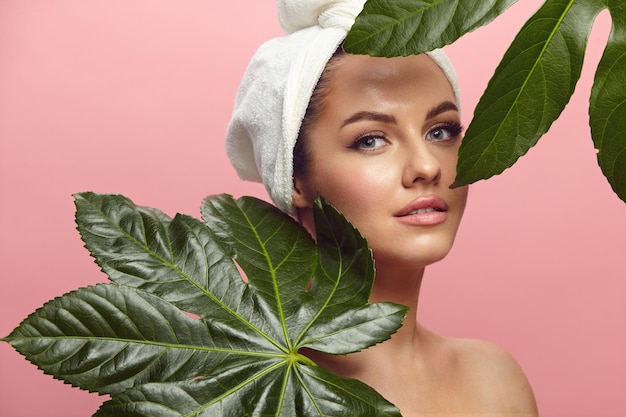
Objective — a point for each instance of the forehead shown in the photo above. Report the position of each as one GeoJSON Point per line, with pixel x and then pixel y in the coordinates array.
{"type": "Point", "coordinates": [359, 75]}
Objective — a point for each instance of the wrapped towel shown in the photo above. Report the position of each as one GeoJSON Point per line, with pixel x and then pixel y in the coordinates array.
{"type": "Point", "coordinates": [277, 86]}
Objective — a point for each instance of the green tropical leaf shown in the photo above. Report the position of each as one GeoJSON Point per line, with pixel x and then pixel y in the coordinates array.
{"type": "Point", "coordinates": [110, 337]}
{"type": "Point", "coordinates": [302, 390]}
{"type": "Point", "coordinates": [404, 27]}
{"type": "Point", "coordinates": [607, 106]}
{"type": "Point", "coordinates": [531, 86]}
{"type": "Point", "coordinates": [238, 352]}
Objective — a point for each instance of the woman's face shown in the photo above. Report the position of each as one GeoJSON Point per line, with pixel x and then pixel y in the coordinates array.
{"type": "Point", "coordinates": [384, 151]}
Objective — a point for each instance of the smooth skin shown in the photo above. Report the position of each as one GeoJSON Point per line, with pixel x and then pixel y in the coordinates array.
{"type": "Point", "coordinates": [385, 145]}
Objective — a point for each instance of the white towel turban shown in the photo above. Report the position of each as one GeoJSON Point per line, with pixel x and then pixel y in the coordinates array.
{"type": "Point", "coordinates": [277, 86]}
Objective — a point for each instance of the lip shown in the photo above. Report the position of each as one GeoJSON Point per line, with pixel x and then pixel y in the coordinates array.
{"type": "Point", "coordinates": [429, 218]}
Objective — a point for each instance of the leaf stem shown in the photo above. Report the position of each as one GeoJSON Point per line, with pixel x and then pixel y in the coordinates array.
{"type": "Point", "coordinates": [305, 360]}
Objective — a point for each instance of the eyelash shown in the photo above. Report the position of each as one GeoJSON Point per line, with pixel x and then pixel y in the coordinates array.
{"type": "Point", "coordinates": [357, 144]}
{"type": "Point", "coordinates": [454, 129]}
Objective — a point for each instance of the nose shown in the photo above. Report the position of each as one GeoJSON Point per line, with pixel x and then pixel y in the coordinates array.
{"type": "Point", "coordinates": [421, 166]}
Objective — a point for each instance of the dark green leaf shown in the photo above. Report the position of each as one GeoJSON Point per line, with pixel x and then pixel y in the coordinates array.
{"type": "Point", "coordinates": [340, 284]}
{"type": "Point", "coordinates": [176, 260]}
{"type": "Point", "coordinates": [108, 338]}
{"type": "Point", "coordinates": [607, 107]}
{"type": "Point", "coordinates": [134, 340]}
{"type": "Point", "coordinates": [143, 248]}
{"type": "Point", "coordinates": [529, 89]}
{"type": "Point", "coordinates": [404, 27]}
{"type": "Point", "coordinates": [279, 276]}
{"type": "Point", "coordinates": [325, 395]}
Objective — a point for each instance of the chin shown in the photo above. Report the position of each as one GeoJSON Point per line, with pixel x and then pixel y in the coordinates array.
{"type": "Point", "coordinates": [416, 259]}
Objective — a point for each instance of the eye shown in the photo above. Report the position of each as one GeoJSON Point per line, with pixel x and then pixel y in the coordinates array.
{"type": "Point", "coordinates": [444, 132]}
{"type": "Point", "coordinates": [369, 143]}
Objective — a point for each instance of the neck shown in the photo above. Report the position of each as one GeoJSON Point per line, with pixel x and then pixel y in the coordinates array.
{"type": "Point", "coordinates": [395, 285]}
{"type": "Point", "coordinates": [401, 286]}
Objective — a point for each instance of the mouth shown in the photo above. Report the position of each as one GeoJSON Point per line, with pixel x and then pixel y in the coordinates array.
{"type": "Point", "coordinates": [427, 210]}
{"type": "Point", "coordinates": [424, 210]}
{"type": "Point", "coordinates": [424, 204]}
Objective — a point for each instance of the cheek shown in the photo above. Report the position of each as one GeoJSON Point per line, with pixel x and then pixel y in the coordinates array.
{"type": "Point", "coordinates": [355, 189]}
{"type": "Point", "coordinates": [460, 194]}
{"type": "Point", "coordinates": [447, 158]}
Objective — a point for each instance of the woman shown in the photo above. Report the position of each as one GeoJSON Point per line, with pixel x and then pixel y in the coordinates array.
{"type": "Point", "coordinates": [378, 138]}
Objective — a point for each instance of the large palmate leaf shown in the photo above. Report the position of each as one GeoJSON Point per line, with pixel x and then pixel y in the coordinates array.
{"type": "Point", "coordinates": [529, 90]}
{"type": "Point", "coordinates": [607, 106]}
{"type": "Point", "coordinates": [180, 333]}
{"type": "Point", "coordinates": [405, 27]}
{"type": "Point", "coordinates": [532, 84]}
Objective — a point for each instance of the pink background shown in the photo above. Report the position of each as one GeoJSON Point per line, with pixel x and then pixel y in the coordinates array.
{"type": "Point", "coordinates": [133, 97]}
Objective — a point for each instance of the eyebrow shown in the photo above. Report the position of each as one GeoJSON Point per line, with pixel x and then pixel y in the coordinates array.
{"type": "Point", "coordinates": [369, 115]}
{"type": "Point", "coordinates": [441, 108]}
{"type": "Point", "coordinates": [386, 118]}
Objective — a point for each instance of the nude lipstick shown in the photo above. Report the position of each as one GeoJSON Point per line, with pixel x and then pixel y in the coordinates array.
{"type": "Point", "coordinates": [428, 210]}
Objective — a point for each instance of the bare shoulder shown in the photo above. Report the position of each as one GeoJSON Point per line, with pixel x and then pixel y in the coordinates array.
{"type": "Point", "coordinates": [497, 377]}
